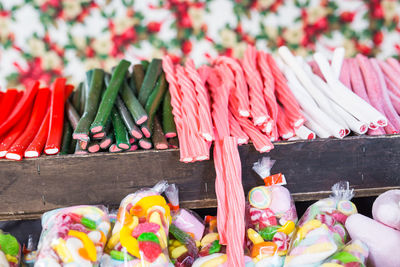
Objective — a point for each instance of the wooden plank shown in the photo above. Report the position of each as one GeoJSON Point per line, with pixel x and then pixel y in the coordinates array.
{"type": "Point", "coordinates": [33, 186]}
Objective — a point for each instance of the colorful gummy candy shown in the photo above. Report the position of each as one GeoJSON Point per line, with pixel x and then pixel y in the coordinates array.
{"type": "Point", "coordinates": [354, 254]}
{"type": "Point", "coordinates": [73, 236]}
{"type": "Point", "coordinates": [10, 250]}
{"type": "Point", "coordinates": [271, 217]}
{"type": "Point", "coordinates": [140, 233]}
{"type": "Point", "coordinates": [321, 231]}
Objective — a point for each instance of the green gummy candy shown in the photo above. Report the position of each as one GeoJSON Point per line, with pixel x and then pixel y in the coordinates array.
{"type": "Point", "coordinates": [345, 257]}
{"type": "Point", "coordinates": [268, 232]}
{"type": "Point", "coordinates": [120, 256]}
{"type": "Point", "coordinates": [9, 244]}
{"type": "Point", "coordinates": [88, 223]}
{"type": "Point", "coordinates": [215, 247]}
{"type": "Point", "coordinates": [148, 237]}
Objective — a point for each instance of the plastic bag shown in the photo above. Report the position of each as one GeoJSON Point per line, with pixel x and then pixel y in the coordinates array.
{"type": "Point", "coordinates": [271, 217]}
{"type": "Point", "coordinates": [140, 233]}
{"type": "Point", "coordinates": [29, 253]}
{"type": "Point", "coordinates": [321, 231]}
{"type": "Point", "coordinates": [355, 253]}
{"type": "Point", "coordinates": [73, 236]}
{"type": "Point", "coordinates": [10, 250]}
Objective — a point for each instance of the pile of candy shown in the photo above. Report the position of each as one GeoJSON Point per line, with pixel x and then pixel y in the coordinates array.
{"type": "Point", "coordinates": [10, 250]}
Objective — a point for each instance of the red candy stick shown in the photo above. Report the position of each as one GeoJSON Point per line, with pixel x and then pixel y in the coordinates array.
{"type": "Point", "coordinates": [7, 103]}
{"type": "Point", "coordinates": [16, 152]}
{"type": "Point", "coordinates": [56, 117]}
{"type": "Point", "coordinates": [36, 146]}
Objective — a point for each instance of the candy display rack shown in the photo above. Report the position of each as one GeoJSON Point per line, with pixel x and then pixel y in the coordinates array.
{"type": "Point", "coordinates": [32, 186]}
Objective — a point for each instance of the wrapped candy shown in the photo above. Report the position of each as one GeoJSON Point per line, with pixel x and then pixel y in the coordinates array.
{"type": "Point", "coordinates": [73, 236]}
{"type": "Point", "coordinates": [386, 209]}
{"type": "Point", "coordinates": [140, 233]}
{"type": "Point", "coordinates": [355, 253]}
{"type": "Point", "coordinates": [10, 250]}
{"type": "Point", "coordinates": [321, 232]}
{"type": "Point", "coordinates": [271, 216]}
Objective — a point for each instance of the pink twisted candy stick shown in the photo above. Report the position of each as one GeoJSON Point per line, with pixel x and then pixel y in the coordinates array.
{"type": "Point", "coordinates": [284, 128]}
{"type": "Point", "coordinates": [345, 74]}
{"type": "Point", "coordinates": [205, 123]}
{"type": "Point", "coordinates": [285, 96]}
{"type": "Point", "coordinates": [259, 110]}
{"type": "Point", "coordinates": [394, 63]}
{"type": "Point", "coordinates": [356, 79]}
{"type": "Point", "coordinates": [390, 72]}
{"type": "Point", "coordinates": [220, 187]}
{"type": "Point", "coordinates": [236, 130]}
{"type": "Point", "coordinates": [392, 87]}
{"type": "Point", "coordinates": [176, 100]}
{"type": "Point", "coordinates": [395, 101]}
{"type": "Point", "coordinates": [240, 93]}
{"type": "Point", "coordinates": [236, 203]}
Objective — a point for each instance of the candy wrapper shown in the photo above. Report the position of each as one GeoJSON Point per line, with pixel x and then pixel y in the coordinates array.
{"type": "Point", "coordinates": [140, 234]}
{"type": "Point", "coordinates": [321, 231]}
{"type": "Point", "coordinates": [186, 231]}
{"type": "Point", "coordinates": [73, 236]}
{"type": "Point", "coordinates": [271, 216]}
{"type": "Point", "coordinates": [354, 254]}
{"type": "Point", "coordinates": [10, 250]}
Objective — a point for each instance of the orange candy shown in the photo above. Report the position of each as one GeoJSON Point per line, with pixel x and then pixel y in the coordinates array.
{"type": "Point", "coordinates": [264, 249]}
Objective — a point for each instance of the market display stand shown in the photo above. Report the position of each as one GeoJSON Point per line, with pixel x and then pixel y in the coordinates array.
{"type": "Point", "coordinates": [32, 186]}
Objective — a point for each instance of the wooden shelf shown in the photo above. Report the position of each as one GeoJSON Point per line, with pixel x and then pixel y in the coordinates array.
{"type": "Point", "coordinates": [32, 186]}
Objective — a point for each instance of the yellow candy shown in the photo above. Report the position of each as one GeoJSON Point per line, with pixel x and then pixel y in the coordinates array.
{"type": "Point", "coordinates": [141, 207]}
{"type": "Point", "coordinates": [87, 243]}
{"type": "Point", "coordinates": [129, 242]}
{"type": "Point", "coordinates": [60, 246]}
{"type": "Point", "coordinates": [177, 252]}
{"type": "Point", "coordinates": [176, 243]}
{"type": "Point", "coordinates": [209, 238]}
{"type": "Point", "coordinates": [155, 218]}
{"type": "Point", "coordinates": [11, 258]}
{"type": "Point", "coordinates": [307, 227]}
{"type": "Point", "coordinates": [215, 262]}
{"type": "Point", "coordinates": [113, 241]}
{"type": "Point", "coordinates": [331, 265]}
{"type": "Point", "coordinates": [198, 243]}
{"type": "Point", "coordinates": [318, 248]}
{"type": "Point", "coordinates": [287, 228]}
{"type": "Point", "coordinates": [254, 236]}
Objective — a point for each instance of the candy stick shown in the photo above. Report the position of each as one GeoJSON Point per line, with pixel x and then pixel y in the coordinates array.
{"type": "Point", "coordinates": [377, 131]}
{"type": "Point", "coordinates": [138, 76]}
{"type": "Point", "coordinates": [284, 128]}
{"type": "Point", "coordinates": [115, 149]}
{"type": "Point", "coordinates": [120, 132]}
{"type": "Point", "coordinates": [205, 123]}
{"type": "Point", "coordinates": [158, 138]}
{"type": "Point", "coordinates": [258, 111]}
{"type": "Point", "coordinates": [338, 61]}
{"type": "Point", "coordinates": [40, 107]}
{"type": "Point", "coordinates": [168, 122]}
{"type": "Point", "coordinates": [145, 143]}
{"type": "Point", "coordinates": [394, 64]}
{"type": "Point", "coordinates": [72, 114]}
{"type": "Point", "coordinates": [347, 99]}
{"type": "Point", "coordinates": [53, 142]}
{"type": "Point", "coordinates": [108, 140]}
{"type": "Point", "coordinates": [94, 147]}
{"type": "Point", "coordinates": [7, 103]}
{"type": "Point", "coordinates": [78, 148]}
{"type": "Point", "coordinates": [345, 74]}
{"type": "Point", "coordinates": [220, 186]}
{"type": "Point", "coordinates": [285, 96]}
{"type": "Point", "coordinates": [390, 72]}
{"type": "Point", "coordinates": [127, 118]}
{"type": "Point", "coordinates": [132, 104]}
{"type": "Point", "coordinates": [149, 80]}
{"type": "Point", "coordinates": [395, 101]}
{"type": "Point", "coordinates": [134, 147]}
{"type": "Point", "coordinates": [390, 129]}
{"type": "Point", "coordinates": [36, 146]}
{"type": "Point", "coordinates": [146, 131]}
{"type": "Point", "coordinates": [240, 92]}
{"type": "Point", "coordinates": [20, 109]}
{"type": "Point", "coordinates": [314, 126]}
{"type": "Point", "coordinates": [356, 79]}
{"type": "Point", "coordinates": [392, 87]}
{"type": "Point", "coordinates": [304, 133]}
{"type": "Point", "coordinates": [236, 130]}
{"type": "Point", "coordinates": [388, 108]}
{"type": "Point", "coordinates": [173, 142]}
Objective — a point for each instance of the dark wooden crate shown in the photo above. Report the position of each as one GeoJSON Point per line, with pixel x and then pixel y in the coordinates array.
{"type": "Point", "coordinates": [30, 187]}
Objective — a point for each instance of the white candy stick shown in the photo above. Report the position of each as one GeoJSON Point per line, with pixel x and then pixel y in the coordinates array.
{"type": "Point", "coordinates": [304, 133]}
{"type": "Point", "coordinates": [337, 61]}
{"type": "Point", "coordinates": [346, 98]}
{"type": "Point", "coordinates": [295, 138]}
{"type": "Point", "coordinates": [314, 126]}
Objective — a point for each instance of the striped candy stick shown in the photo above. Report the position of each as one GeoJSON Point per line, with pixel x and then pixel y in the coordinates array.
{"type": "Point", "coordinates": [394, 63]}
{"type": "Point", "coordinates": [236, 130]}
{"type": "Point", "coordinates": [356, 79]}
{"type": "Point", "coordinates": [390, 72]}
{"type": "Point", "coordinates": [284, 128]}
{"type": "Point", "coordinates": [345, 74]}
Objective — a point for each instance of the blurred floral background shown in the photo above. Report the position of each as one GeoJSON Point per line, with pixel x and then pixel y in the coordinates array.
{"type": "Point", "coordinates": [41, 39]}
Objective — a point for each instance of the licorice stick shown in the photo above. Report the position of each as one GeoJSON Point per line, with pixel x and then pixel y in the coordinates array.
{"type": "Point", "coordinates": [115, 149]}
{"type": "Point", "coordinates": [12, 135]}
{"type": "Point", "coordinates": [394, 63]}
{"type": "Point", "coordinates": [93, 90]}
{"type": "Point", "coordinates": [284, 95]}
{"type": "Point", "coordinates": [168, 122]}
{"type": "Point", "coordinates": [146, 131]}
{"type": "Point", "coordinates": [145, 64]}
{"type": "Point", "coordinates": [158, 138]}
{"type": "Point", "coordinates": [40, 107]}
{"type": "Point", "coordinates": [76, 99]}
{"type": "Point", "coordinates": [284, 128]}
{"type": "Point", "coordinates": [390, 72]}
{"type": "Point", "coordinates": [240, 92]}
{"type": "Point", "coordinates": [319, 130]}
{"type": "Point", "coordinates": [127, 118]}
{"type": "Point", "coordinates": [53, 143]}
{"type": "Point", "coordinates": [20, 109]}
{"type": "Point", "coordinates": [120, 132]}
{"type": "Point", "coordinates": [149, 81]}
{"type": "Point", "coordinates": [138, 76]}
{"type": "Point", "coordinates": [132, 140]}
{"type": "Point", "coordinates": [35, 148]}
{"type": "Point", "coordinates": [109, 96]}
{"type": "Point", "coordinates": [134, 147]}
{"type": "Point", "coordinates": [78, 148]}
{"type": "Point", "coordinates": [202, 97]}
{"type": "Point", "coordinates": [135, 108]}
{"type": "Point", "coordinates": [94, 147]}
{"type": "Point", "coordinates": [173, 142]}
{"type": "Point", "coordinates": [390, 129]}
{"type": "Point", "coordinates": [145, 143]}
{"type": "Point", "coordinates": [107, 141]}
{"type": "Point", "coordinates": [377, 131]}
{"type": "Point", "coordinates": [99, 136]}
{"type": "Point", "coordinates": [258, 108]}
{"type": "Point", "coordinates": [66, 138]}
{"type": "Point", "coordinates": [154, 101]}
{"type": "Point", "coordinates": [345, 74]}
{"type": "Point", "coordinates": [83, 144]}
{"type": "Point", "coordinates": [72, 114]}
{"type": "Point", "coordinates": [131, 85]}
{"type": "Point", "coordinates": [7, 103]}
{"type": "Point", "coordinates": [236, 131]}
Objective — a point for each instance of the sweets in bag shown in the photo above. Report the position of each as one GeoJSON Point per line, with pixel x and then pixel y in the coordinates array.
{"type": "Point", "coordinates": [354, 254]}
{"type": "Point", "coordinates": [386, 209]}
{"type": "Point", "coordinates": [321, 231]}
{"type": "Point", "coordinates": [73, 236]}
{"type": "Point", "coordinates": [10, 250]}
{"type": "Point", "coordinates": [271, 217]}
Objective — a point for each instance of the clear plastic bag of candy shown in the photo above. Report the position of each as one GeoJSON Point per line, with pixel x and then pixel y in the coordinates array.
{"type": "Point", "coordinates": [321, 231]}
{"type": "Point", "coordinates": [270, 217]}
{"type": "Point", "coordinates": [10, 250]}
{"type": "Point", "coordinates": [73, 236]}
{"type": "Point", "coordinates": [140, 233]}
{"type": "Point", "coordinates": [354, 254]}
